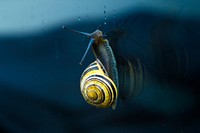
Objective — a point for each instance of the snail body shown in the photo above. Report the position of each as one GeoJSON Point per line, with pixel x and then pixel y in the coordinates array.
{"type": "Point", "coordinates": [104, 53]}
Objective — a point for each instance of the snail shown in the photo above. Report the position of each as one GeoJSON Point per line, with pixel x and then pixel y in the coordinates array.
{"type": "Point", "coordinates": [108, 77]}
{"type": "Point", "coordinates": [99, 82]}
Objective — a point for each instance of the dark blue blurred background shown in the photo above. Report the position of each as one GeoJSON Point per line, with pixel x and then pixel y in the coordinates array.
{"type": "Point", "coordinates": [40, 71]}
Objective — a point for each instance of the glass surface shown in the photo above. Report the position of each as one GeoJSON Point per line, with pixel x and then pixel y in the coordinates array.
{"type": "Point", "coordinates": [156, 47]}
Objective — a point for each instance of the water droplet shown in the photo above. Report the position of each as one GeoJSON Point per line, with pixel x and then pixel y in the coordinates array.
{"type": "Point", "coordinates": [105, 18]}
{"type": "Point", "coordinates": [79, 18]}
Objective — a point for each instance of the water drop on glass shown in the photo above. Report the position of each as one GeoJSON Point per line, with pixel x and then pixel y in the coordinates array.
{"type": "Point", "coordinates": [79, 18]}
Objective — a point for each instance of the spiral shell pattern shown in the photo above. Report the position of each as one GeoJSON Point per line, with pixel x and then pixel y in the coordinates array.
{"type": "Point", "coordinates": [96, 86]}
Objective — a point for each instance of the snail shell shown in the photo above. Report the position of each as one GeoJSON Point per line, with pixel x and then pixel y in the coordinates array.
{"type": "Point", "coordinates": [97, 88]}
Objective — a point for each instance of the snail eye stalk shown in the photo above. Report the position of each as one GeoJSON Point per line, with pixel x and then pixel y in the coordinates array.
{"type": "Point", "coordinates": [89, 45]}
{"type": "Point", "coordinates": [78, 32]}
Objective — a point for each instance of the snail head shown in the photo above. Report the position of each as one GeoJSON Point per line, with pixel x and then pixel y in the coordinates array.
{"type": "Point", "coordinates": [95, 38]}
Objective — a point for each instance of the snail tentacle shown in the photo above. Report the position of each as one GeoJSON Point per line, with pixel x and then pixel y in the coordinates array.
{"type": "Point", "coordinates": [89, 45]}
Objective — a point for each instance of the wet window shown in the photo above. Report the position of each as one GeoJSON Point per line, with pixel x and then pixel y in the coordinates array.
{"type": "Point", "coordinates": [149, 57]}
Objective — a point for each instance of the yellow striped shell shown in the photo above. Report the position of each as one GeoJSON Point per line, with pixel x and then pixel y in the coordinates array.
{"type": "Point", "coordinates": [97, 88]}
